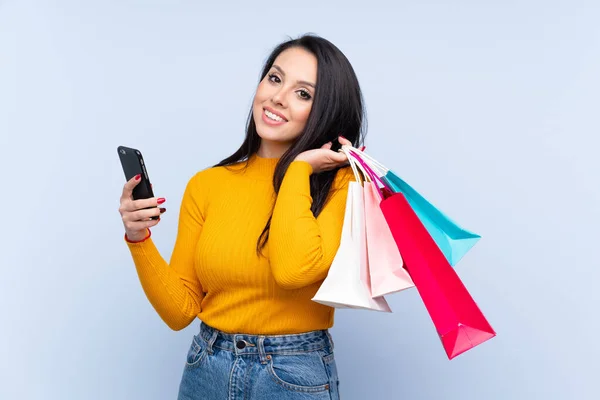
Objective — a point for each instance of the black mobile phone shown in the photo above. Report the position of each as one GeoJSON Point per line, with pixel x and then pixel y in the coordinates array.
{"type": "Point", "coordinates": [133, 164]}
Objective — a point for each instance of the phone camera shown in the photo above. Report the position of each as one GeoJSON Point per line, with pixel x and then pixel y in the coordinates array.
{"type": "Point", "coordinates": [122, 151]}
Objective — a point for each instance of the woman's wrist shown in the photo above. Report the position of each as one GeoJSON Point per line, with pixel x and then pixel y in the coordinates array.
{"type": "Point", "coordinates": [138, 237]}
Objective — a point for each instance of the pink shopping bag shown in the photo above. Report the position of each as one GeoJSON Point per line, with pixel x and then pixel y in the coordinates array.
{"type": "Point", "coordinates": [386, 268]}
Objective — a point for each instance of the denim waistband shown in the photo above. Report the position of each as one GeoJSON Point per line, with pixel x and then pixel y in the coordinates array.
{"type": "Point", "coordinates": [263, 345]}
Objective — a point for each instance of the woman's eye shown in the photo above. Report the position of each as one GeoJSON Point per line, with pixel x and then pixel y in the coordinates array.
{"type": "Point", "coordinates": [304, 95]}
{"type": "Point", "coordinates": [274, 78]}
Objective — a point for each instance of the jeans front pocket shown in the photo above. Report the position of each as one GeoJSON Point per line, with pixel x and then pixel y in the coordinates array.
{"type": "Point", "coordinates": [196, 353]}
{"type": "Point", "coordinates": [302, 372]}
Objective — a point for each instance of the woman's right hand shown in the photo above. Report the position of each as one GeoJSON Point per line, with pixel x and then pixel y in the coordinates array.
{"type": "Point", "coordinates": [136, 214]}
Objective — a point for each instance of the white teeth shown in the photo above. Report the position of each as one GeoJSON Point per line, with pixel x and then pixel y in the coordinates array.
{"type": "Point", "coordinates": [273, 116]}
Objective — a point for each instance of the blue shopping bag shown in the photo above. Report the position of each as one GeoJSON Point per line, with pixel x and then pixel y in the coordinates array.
{"type": "Point", "coordinates": [452, 240]}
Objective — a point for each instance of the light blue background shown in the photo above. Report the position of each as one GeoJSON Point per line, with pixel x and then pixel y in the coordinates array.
{"type": "Point", "coordinates": [489, 108]}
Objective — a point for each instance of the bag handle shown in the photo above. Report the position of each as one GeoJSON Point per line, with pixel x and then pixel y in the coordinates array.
{"type": "Point", "coordinates": [366, 173]}
{"type": "Point", "coordinates": [353, 165]}
{"type": "Point", "coordinates": [356, 161]}
{"type": "Point", "coordinates": [362, 164]}
{"type": "Point", "coordinates": [376, 164]}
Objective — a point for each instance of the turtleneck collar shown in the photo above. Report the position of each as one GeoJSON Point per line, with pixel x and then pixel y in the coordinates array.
{"type": "Point", "coordinates": [258, 167]}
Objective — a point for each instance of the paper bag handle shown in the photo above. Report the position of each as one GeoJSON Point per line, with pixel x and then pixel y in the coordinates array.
{"type": "Point", "coordinates": [371, 160]}
{"type": "Point", "coordinates": [356, 161]}
{"type": "Point", "coordinates": [353, 165]}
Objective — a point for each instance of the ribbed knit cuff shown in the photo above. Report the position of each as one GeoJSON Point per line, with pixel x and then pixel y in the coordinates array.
{"type": "Point", "coordinates": [296, 179]}
{"type": "Point", "coordinates": [301, 166]}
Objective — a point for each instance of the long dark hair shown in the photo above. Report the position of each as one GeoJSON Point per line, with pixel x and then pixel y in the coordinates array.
{"type": "Point", "coordinates": [337, 109]}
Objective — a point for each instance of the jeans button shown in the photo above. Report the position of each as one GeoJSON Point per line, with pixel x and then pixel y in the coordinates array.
{"type": "Point", "coordinates": [240, 344]}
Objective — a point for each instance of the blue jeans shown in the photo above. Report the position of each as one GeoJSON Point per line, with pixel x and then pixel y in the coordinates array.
{"type": "Point", "coordinates": [224, 366]}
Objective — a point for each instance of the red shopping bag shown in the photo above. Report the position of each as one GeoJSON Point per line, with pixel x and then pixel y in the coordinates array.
{"type": "Point", "coordinates": [458, 320]}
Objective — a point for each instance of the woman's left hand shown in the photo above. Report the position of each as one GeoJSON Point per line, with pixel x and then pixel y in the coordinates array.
{"type": "Point", "coordinates": [325, 159]}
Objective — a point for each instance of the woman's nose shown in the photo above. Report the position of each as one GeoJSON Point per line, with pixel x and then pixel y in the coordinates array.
{"type": "Point", "coordinates": [279, 98]}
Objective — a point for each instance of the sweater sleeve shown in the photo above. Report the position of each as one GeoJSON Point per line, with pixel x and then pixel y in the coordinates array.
{"type": "Point", "coordinates": [173, 288]}
{"type": "Point", "coordinates": [302, 247]}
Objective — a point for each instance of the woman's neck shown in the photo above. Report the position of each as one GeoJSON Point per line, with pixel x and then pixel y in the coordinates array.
{"type": "Point", "coordinates": [271, 149]}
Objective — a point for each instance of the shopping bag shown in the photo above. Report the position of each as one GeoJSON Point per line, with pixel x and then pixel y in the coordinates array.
{"type": "Point", "coordinates": [453, 240]}
{"type": "Point", "coordinates": [386, 268]}
{"type": "Point", "coordinates": [344, 286]}
{"type": "Point", "coordinates": [458, 320]}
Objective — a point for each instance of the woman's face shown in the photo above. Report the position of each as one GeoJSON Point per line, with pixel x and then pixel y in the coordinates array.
{"type": "Point", "coordinates": [284, 97]}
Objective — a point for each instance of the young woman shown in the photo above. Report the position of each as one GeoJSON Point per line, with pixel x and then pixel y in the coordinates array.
{"type": "Point", "coordinates": [257, 234]}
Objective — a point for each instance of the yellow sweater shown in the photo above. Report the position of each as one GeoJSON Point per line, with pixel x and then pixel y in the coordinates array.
{"type": "Point", "coordinates": [215, 273]}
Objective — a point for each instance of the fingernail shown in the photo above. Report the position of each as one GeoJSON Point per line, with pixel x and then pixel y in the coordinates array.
{"type": "Point", "coordinates": [161, 200]}
{"type": "Point", "coordinates": [343, 137]}
{"type": "Point", "coordinates": [363, 148]}
{"type": "Point", "coordinates": [162, 210]}
{"type": "Point", "coordinates": [138, 176]}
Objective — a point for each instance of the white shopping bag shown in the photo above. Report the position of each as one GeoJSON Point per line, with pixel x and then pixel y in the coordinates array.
{"type": "Point", "coordinates": [343, 287]}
